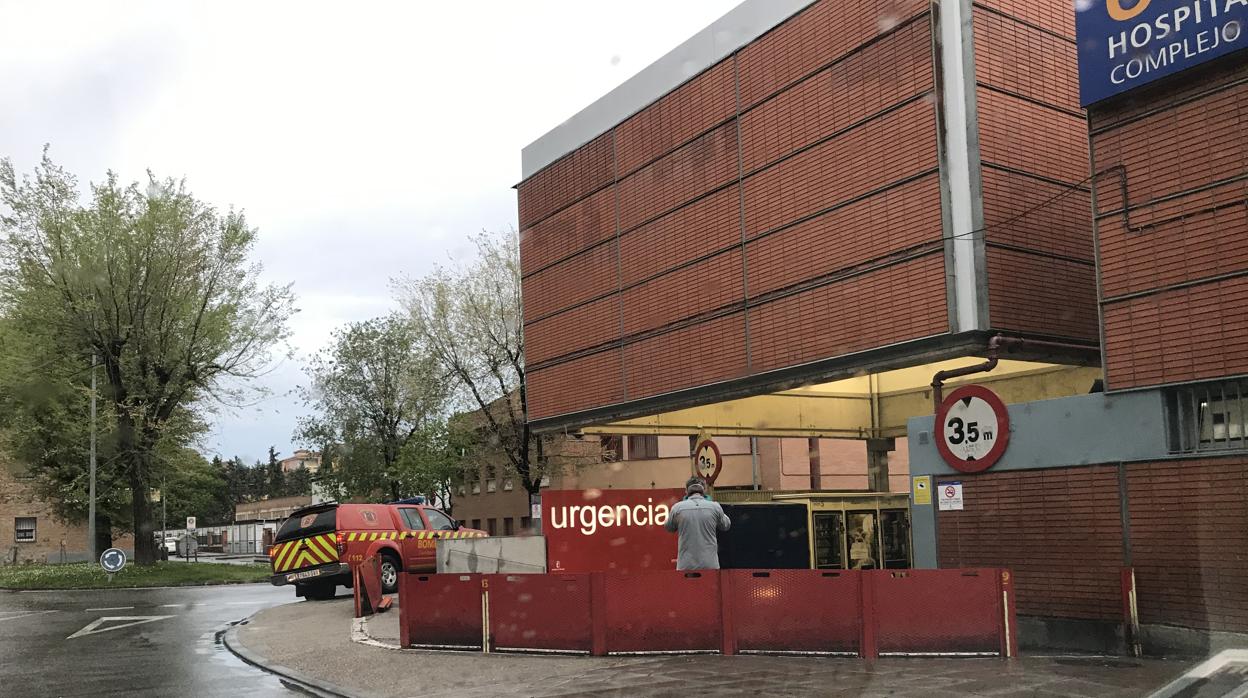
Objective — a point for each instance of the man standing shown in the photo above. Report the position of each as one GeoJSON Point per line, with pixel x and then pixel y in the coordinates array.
{"type": "Point", "coordinates": [698, 521]}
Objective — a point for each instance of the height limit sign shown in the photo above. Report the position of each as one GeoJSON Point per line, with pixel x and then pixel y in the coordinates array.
{"type": "Point", "coordinates": [972, 429]}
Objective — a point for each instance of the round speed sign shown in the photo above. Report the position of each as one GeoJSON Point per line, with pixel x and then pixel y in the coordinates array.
{"type": "Point", "coordinates": [972, 429]}
{"type": "Point", "coordinates": [707, 461]}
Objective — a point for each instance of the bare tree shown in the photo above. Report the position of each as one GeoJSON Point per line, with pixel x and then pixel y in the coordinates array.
{"type": "Point", "coordinates": [471, 321]}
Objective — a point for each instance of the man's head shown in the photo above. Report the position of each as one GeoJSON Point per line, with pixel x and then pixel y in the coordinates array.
{"type": "Point", "coordinates": [695, 485]}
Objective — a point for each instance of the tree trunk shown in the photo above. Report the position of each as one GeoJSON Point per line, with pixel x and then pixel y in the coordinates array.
{"type": "Point", "coordinates": [531, 485]}
{"type": "Point", "coordinates": [141, 510]}
{"type": "Point", "coordinates": [103, 533]}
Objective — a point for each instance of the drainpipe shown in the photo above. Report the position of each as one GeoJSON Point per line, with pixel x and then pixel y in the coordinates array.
{"type": "Point", "coordinates": [995, 345]}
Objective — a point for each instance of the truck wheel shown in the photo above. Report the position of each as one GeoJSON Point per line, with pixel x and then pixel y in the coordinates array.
{"type": "Point", "coordinates": [390, 569]}
{"type": "Point", "coordinates": [317, 591]}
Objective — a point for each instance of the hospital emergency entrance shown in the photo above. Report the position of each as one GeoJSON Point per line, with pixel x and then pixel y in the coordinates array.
{"type": "Point", "coordinates": [841, 530]}
{"type": "Point", "coordinates": [864, 528]}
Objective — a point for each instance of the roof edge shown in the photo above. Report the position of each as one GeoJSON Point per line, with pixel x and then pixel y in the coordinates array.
{"type": "Point", "coordinates": [741, 25]}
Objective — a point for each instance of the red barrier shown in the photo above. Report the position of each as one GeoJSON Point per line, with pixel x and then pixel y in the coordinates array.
{"type": "Point", "coordinates": [551, 612]}
{"type": "Point", "coordinates": [366, 587]}
{"type": "Point", "coordinates": [441, 611]}
{"type": "Point", "coordinates": [666, 611]}
{"type": "Point", "coordinates": [935, 611]}
{"type": "Point", "coordinates": [794, 611]}
{"type": "Point", "coordinates": [867, 613]}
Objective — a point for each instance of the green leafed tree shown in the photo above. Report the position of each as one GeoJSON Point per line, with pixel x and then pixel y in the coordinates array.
{"type": "Point", "coordinates": [195, 487]}
{"type": "Point", "coordinates": [372, 392]}
{"type": "Point", "coordinates": [155, 283]}
{"type": "Point", "coordinates": [275, 479]}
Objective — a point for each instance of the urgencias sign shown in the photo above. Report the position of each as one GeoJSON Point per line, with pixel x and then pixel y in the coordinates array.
{"type": "Point", "coordinates": [1124, 44]}
{"type": "Point", "coordinates": [608, 530]}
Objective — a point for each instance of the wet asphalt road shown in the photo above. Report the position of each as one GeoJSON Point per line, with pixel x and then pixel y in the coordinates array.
{"type": "Point", "coordinates": [173, 656]}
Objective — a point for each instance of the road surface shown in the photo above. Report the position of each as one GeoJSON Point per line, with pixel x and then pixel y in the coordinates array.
{"type": "Point", "coordinates": [136, 642]}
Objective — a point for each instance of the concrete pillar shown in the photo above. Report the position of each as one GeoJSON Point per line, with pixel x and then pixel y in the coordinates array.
{"type": "Point", "coordinates": [877, 463]}
{"type": "Point", "coordinates": [816, 480]}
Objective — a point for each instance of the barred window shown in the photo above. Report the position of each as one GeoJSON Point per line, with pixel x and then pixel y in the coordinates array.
{"type": "Point", "coordinates": [643, 447]}
{"type": "Point", "coordinates": [24, 529]}
{"type": "Point", "coordinates": [1207, 417]}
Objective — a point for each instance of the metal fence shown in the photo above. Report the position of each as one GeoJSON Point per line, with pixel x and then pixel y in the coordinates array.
{"type": "Point", "coordinates": [237, 539]}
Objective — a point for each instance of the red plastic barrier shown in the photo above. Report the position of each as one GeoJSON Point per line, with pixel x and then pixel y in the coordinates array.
{"type": "Point", "coordinates": [767, 611]}
{"type": "Point", "coordinates": [794, 611]}
{"type": "Point", "coordinates": [441, 611]}
{"type": "Point", "coordinates": [551, 612]}
{"type": "Point", "coordinates": [667, 611]}
{"type": "Point", "coordinates": [934, 611]}
{"type": "Point", "coordinates": [366, 587]}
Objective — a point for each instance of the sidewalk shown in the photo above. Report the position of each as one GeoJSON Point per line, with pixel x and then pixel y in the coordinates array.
{"type": "Point", "coordinates": [314, 640]}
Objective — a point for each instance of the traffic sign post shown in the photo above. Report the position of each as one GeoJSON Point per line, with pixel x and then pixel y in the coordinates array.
{"type": "Point", "coordinates": [113, 561]}
{"type": "Point", "coordinates": [972, 429]}
{"type": "Point", "coordinates": [707, 461]}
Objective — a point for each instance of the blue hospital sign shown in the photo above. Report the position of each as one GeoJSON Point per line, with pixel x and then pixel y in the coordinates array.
{"type": "Point", "coordinates": [1124, 44]}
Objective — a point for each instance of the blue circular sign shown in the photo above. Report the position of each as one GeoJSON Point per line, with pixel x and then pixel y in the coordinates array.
{"type": "Point", "coordinates": [112, 560]}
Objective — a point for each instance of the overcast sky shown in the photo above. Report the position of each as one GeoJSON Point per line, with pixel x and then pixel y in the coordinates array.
{"type": "Point", "coordinates": [364, 139]}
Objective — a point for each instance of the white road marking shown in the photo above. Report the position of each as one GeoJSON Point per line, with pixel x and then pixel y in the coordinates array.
{"type": "Point", "coordinates": [24, 615]}
{"type": "Point", "coordinates": [1203, 670]}
{"type": "Point", "coordinates": [94, 626]}
{"type": "Point", "coordinates": [172, 605]}
{"type": "Point", "coordinates": [112, 608]}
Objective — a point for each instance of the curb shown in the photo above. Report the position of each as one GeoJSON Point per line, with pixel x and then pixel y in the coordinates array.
{"type": "Point", "coordinates": [360, 634]}
{"type": "Point", "coordinates": [316, 687]}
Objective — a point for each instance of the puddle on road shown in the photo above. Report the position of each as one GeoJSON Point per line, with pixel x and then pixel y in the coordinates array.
{"type": "Point", "coordinates": [223, 667]}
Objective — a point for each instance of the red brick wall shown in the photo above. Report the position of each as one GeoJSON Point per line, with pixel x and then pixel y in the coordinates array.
{"type": "Point", "coordinates": [781, 207]}
{"type": "Point", "coordinates": [1060, 530]}
{"type": "Point", "coordinates": [1189, 542]}
{"type": "Point", "coordinates": [1033, 145]}
{"type": "Point", "coordinates": [1175, 302]}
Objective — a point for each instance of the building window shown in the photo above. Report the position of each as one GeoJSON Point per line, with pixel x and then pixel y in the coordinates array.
{"type": "Point", "coordinates": [509, 526]}
{"type": "Point", "coordinates": [476, 524]}
{"type": "Point", "coordinates": [643, 447]}
{"type": "Point", "coordinates": [526, 524]}
{"type": "Point", "coordinates": [476, 487]}
{"type": "Point", "coordinates": [1207, 417]}
{"type": "Point", "coordinates": [612, 447]}
{"type": "Point", "coordinates": [507, 485]}
{"type": "Point", "coordinates": [24, 529]}
{"type": "Point", "coordinates": [545, 481]}
{"type": "Point", "coordinates": [491, 526]}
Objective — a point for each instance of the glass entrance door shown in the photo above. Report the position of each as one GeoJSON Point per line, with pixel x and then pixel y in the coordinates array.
{"type": "Point", "coordinates": [828, 551]}
{"type": "Point", "coordinates": [895, 534]}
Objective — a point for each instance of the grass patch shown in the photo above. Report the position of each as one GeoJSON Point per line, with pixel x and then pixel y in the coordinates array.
{"type": "Point", "coordinates": [86, 575]}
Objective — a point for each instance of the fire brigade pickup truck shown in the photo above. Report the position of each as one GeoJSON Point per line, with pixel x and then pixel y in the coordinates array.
{"type": "Point", "coordinates": [316, 548]}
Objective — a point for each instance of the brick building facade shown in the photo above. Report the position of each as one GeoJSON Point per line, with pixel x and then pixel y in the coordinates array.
{"type": "Point", "coordinates": [848, 189]}
{"type": "Point", "coordinates": [30, 530]}
{"type": "Point", "coordinates": [1157, 479]}
{"type": "Point", "coordinates": [852, 180]}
